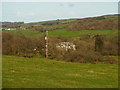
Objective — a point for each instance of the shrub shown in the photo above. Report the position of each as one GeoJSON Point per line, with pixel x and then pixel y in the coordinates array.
{"type": "Point", "coordinates": [85, 47]}
{"type": "Point", "coordinates": [22, 45]}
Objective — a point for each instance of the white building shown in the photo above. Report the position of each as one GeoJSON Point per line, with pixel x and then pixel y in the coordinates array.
{"type": "Point", "coordinates": [66, 45]}
{"type": "Point", "coordinates": [11, 29]}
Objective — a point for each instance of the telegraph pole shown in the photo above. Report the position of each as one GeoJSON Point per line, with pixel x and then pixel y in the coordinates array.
{"type": "Point", "coordinates": [46, 46]}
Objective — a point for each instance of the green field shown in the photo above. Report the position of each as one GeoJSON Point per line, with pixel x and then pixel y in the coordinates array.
{"type": "Point", "coordinates": [29, 33]}
{"type": "Point", "coordinates": [65, 33]}
{"type": "Point", "coordinates": [20, 72]}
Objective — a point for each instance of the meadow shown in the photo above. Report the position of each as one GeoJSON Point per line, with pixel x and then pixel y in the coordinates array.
{"type": "Point", "coordinates": [20, 72]}
{"type": "Point", "coordinates": [29, 33]}
{"type": "Point", "coordinates": [64, 33]}
{"type": "Point", "coordinates": [67, 33]}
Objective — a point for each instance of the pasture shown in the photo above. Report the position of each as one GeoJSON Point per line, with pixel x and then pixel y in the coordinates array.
{"type": "Point", "coordinates": [67, 33]}
{"type": "Point", "coordinates": [20, 72]}
{"type": "Point", "coordinates": [29, 33]}
{"type": "Point", "coordinates": [64, 33]}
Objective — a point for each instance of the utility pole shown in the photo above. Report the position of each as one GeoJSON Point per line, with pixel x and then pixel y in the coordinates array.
{"type": "Point", "coordinates": [46, 46]}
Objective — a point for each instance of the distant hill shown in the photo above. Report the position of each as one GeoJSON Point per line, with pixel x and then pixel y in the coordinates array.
{"type": "Point", "coordinates": [104, 25]}
{"type": "Point", "coordinates": [107, 22]}
{"type": "Point", "coordinates": [11, 24]}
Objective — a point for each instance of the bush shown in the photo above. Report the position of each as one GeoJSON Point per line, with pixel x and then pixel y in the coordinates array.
{"type": "Point", "coordinates": [110, 46]}
{"type": "Point", "coordinates": [109, 60]}
{"type": "Point", "coordinates": [85, 47]}
{"type": "Point", "coordinates": [22, 45]}
{"type": "Point", "coordinates": [84, 50]}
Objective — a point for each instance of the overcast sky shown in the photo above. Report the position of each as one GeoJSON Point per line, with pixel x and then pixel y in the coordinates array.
{"type": "Point", "coordinates": [40, 11]}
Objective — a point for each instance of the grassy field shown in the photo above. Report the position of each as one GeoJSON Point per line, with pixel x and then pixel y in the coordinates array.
{"type": "Point", "coordinates": [29, 33]}
{"type": "Point", "coordinates": [65, 33]}
{"type": "Point", "coordinates": [19, 72]}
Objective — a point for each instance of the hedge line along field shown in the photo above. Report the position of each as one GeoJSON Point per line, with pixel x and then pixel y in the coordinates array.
{"type": "Point", "coordinates": [64, 33]}
{"type": "Point", "coordinates": [20, 72]}
{"type": "Point", "coordinates": [29, 33]}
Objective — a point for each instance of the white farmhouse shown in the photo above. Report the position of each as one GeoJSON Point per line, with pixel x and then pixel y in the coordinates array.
{"type": "Point", "coordinates": [66, 45]}
{"type": "Point", "coordinates": [8, 29]}
{"type": "Point", "coordinates": [11, 29]}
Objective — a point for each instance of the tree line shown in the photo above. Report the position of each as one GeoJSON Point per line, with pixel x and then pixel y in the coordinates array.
{"type": "Point", "coordinates": [88, 49]}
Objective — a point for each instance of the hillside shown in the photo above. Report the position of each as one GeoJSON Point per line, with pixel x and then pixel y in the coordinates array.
{"type": "Point", "coordinates": [19, 72]}
{"type": "Point", "coordinates": [105, 22]}
{"type": "Point", "coordinates": [103, 25]}
{"type": "Point", "coordinates": [96, 23]}
{"type": "Point", "coordinates": [60, 22]}
{"type": "Point", "coordinates": [64, 33]}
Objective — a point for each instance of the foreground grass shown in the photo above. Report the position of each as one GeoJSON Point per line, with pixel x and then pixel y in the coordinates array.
{"type": "Point", "coordinates": [19, 72]}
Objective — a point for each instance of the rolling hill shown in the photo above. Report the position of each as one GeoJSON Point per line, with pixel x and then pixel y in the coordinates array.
{"type": "Point", "coordinates": [103, 25]}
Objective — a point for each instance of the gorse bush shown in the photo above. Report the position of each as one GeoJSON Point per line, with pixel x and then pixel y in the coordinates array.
{"type": "Point", "coordinates": [22, 45]}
